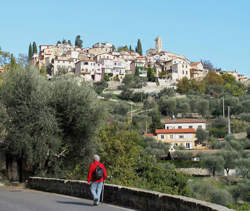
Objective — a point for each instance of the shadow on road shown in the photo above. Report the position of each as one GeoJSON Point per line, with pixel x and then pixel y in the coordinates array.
{"type": "Point", "coordinates": [75, 203]}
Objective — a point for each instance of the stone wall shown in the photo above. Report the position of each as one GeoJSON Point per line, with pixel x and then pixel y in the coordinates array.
{"type": "Point", "coordinates": [124, 196]}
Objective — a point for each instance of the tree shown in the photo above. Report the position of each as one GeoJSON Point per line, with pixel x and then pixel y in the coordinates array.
{"type": "Point", "coordinates": [212, 78]}
{"type": "Point", "coordinates": [156, 120]}
{"type": "Point", "coordinates": [207, 65]}
{"type": "Point", "coordinates": [151, 74]}
{"type": "Point", "coordinates": [167, 106]}
{"type": "Point", "coordinates": [123, 48]}
{"type": "Point", "coordinates": [47, 124]}
{"type": "Point", "coordinates": [201, 135]}
{"type": "Point", "coordinates": [69, 42]}
{"type": "Point", "coordinates": [64, 42]}
{"type": "Point", "coordinates": [13, 63]}
{"type": "Point", "coordinates": [230, 158]}
{"type": "Point", "coordinates": [248, 132]}
{"type": "Point", "coordinates": [203, 107]}
{"type": "Point", "coordinates": [213, 162]}
{"type": "Point", "coordinates": [43, 71]}
{"type": "Point", "coordinates": [34, 49]}
{"type": "Point", "coordinates": [243, 166]}
{"type": "Point", "coordinates": [183, 85]}
{"type": "Point", "coordinates": [30, 125]}
{"type": "Point", "coordinates": [120, 152]}
{"type": "Point", "coordinates": [58, 42]}
{"type": "Point", "coordinates": [30, 53]}
{"type": "Point", "coordinates": [139, 47]}
{"type": "Point", "coordinates": [78, 41]}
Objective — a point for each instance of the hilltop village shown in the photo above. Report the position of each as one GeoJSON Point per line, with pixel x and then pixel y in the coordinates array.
{"type": "Point", "coordinates": [103, 60]}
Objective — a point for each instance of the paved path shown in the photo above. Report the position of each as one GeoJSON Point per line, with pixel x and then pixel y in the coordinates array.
{"type": "Point", "coordinates": [29, 200]}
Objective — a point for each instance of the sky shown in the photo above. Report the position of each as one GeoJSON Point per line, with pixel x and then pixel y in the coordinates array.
{"type": "Point", "coordinates": [215, 30]}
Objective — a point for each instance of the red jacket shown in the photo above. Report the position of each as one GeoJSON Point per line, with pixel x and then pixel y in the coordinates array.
{"type": "Point", "coordinates": [92, 168]}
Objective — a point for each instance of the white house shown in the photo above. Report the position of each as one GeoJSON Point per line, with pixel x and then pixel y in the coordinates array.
{"type": "Point", "coordinates": [185, 124]}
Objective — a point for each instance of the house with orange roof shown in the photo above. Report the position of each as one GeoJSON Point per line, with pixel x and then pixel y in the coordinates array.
{"type": "Point", "coordinates": [197, 71]}
{"type": "Point", "coordinates": [177, 137]}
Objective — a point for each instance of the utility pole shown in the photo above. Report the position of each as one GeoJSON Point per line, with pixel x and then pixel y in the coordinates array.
{"type": "Point", "coordinates": [223, 103]}
{"type": "Point", "coordinates": [131, 114]}
{"type": "Point", "coordinates": [229, 124]}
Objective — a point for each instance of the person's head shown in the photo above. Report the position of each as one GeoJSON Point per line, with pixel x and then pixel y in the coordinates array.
{"type": "Point", "coordinates": [97, 158]}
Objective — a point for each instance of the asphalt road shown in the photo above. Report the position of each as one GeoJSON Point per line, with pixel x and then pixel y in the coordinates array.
{"type": "Point", "coordinates": [29, 200]}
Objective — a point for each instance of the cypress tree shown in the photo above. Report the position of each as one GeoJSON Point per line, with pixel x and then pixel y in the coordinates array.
{"type": "Point", "coordinates": [34, 48]}
{"type": "Point", "coordinates": [30, 54]}
{"type": "Point", "coordinates": [64, 41]}
{"type": "Point", "coordinates": [139, 47]}
{"type": "Point", "coordinates": [69, 42]}
{"type": "Point", "coordinates": [78, 41]}
{"type": "Point", "coordinates": [58, 42]}
{"type": "Point", "coordinates": [12, 62]}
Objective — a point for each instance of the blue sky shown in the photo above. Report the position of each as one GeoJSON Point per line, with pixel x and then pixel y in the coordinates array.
{"type": "Point", "coordinates": [215, 30]}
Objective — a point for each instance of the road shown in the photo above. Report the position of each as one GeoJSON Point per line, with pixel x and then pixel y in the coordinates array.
{"type": "Point", "coordinates": [28, 200]}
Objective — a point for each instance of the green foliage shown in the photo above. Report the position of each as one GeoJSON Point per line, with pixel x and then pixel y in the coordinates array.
{"type": "Point", "coordinates": [167, 106]}
{"type": "Point", "coordinates": [30, 53]}
{"type": "Point", "coordinates": [120, 152]}
{"type": "Point", "coordinates": [151, 74]}
{"type": "Point", "coordinates": [133, 81]}
{"type": "Point", "coordinates": [156, 120]}
{"type": "Point", "coordinates": [245, 116]}
{"type": "Point", "coordinates": [47, 123]}
{"type": "Point", "coordinates": [123, 48]}
{"type": "Point", "coordinates": [219, 128]}
{"type": "Point", "coordinates": [78, 41]}
{"type": "Point", "coordinates": [139, 47]}
{"type": "Point", "coordinates": [202, 135]}
{"type": "Point", "coordinates": [154, 148]}
{"type": "Point", "coordinates": [169, 92]}
{"type": "Point", "coordinates": [100, 86]}
{"type": "Point", "coordinates": [214, 162]}
{"type": "Point", "coordinates": [34, 48]}
{"type": "Point", "coordinates": [69, 42]}
{"type": "Point", "coordinates": [32, 132]}
{"type": "Point", "coordinates": [43, 71]}
{"type": "Point", "coordinates": [248, 132]}
{"type": "Point", "coordinates": [230, 157]}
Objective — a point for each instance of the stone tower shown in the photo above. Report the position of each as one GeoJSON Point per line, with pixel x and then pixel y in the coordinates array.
{"type": "Point", "coordinates": [158, 44]}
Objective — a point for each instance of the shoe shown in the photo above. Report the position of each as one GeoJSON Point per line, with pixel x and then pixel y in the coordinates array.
{"type": "Point", "coordinates": [95, 202]}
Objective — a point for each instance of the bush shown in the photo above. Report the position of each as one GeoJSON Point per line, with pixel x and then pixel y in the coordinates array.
{"type": "Point", "coordinates": [245, 116]}
{"type": "Point", "coordinates": [248, 132]}
{"type": "Point", "coordinates": [222, 197]}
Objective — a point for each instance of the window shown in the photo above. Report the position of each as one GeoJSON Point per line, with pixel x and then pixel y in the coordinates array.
{"type": "Point", "coordinates": [190, 126]}
{"type": "Point", "coordinates": [188, 145]}
{"type": "Point", "coordinates": [162, 136]}
{"type": "Point", "coordinates": [176, 144]}
{"type": "Point", "coordinates": [86, 63]}
{"type": "Point", "coordinates": [171, 136]}
{"type": "Point", "coordinates": [179, 127]}
{"type": "Point", "coordinates": [167, 127]}
{"type": "Point", "coordinates": [181, 136]}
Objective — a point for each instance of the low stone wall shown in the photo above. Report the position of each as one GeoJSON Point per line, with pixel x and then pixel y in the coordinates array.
{"type": "Point", "coordinates": [124, 196]}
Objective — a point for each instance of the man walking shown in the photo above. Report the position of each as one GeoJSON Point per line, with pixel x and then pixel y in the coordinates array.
{"type": "Point", "coordinates": [97, 175]}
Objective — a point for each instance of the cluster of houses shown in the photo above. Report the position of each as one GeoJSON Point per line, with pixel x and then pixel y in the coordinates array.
{"type": "Point", "coordinates": [93, 63]}
{"type": "Point", "coordinates": [180, 132]}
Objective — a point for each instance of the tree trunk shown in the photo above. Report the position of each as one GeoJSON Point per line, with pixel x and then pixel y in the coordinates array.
{"type": "Point", "coordinates": [12, 168]}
